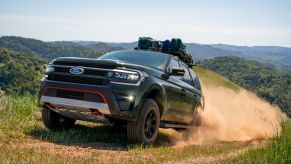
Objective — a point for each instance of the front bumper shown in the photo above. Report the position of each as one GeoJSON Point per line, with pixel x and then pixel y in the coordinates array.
{"type": "Point", "coordinates": [109, 108]}
{"type": "Point", "coordinates": [77, 109]}
{"type": "Point", "coordinates": [70, 103]}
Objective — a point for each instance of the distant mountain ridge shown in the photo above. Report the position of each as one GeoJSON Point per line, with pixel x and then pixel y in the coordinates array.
{"type": "Point", "coordinates": [272, 56]}
{"type": "Point", "coordinates": [51, 50]}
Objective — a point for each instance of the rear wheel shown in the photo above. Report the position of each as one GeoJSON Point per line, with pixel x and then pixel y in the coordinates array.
{"type": "Point", "coordinates": [145, 130]}
{"type": "Point", "coordinates": [54, 121]}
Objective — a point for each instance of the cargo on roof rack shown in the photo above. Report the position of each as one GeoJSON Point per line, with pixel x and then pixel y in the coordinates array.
{"type": "Point", "coordinates": [174, 47]}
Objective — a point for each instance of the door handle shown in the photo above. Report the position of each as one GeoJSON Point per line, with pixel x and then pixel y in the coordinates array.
{"type": "Point", "coordinates": [183, 92]}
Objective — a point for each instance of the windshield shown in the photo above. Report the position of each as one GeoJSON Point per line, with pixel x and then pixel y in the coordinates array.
{"type": "Point", "coordinates": [145, 58]}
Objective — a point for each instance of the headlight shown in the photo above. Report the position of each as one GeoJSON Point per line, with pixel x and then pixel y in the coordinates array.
{"type": "Point", "coordinates": [49, 69]}
{"type": "Point", "coordinates": [123, 75]}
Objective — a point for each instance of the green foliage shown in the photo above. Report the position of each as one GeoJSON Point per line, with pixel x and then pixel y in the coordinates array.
{"type": "Point", "coordinates": [49, 50]}
{"type": "Point", "coordinates": [20, 72]}
{"type": "Point", "coordinates": [272, 85]}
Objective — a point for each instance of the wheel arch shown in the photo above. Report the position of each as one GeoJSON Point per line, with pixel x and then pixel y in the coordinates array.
{"type": "Point", "coordinates": [156, 93]}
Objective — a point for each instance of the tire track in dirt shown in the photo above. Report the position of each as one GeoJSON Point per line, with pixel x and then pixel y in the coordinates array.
{"type": "Point", "coordinates": [224, 156]}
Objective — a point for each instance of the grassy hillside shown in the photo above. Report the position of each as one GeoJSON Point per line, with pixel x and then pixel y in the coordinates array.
{"type": "Point", "coordinates": [20, 72]}
{"type": "Point", "coordinates": [276, 151]}
{"type": "Point", "coordinates": [209, 78]}
{"type": "Point", "coordinates": [24, 139]}
{"type": "Point", "coordinates": [271, 85]}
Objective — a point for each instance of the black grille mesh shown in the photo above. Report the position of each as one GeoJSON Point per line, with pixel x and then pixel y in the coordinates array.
{"type": "Point", "coordinates": [77, 79]}
{"type": "Point", "coordinates": [75, 95]}
{"type": "Point", "coordinates": [70, 94]}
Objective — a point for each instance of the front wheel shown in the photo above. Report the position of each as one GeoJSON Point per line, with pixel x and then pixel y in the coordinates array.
{"type": "Point", "coordinates": [145, 130]}
{"type": "Point", "coordinates": [54, 121]}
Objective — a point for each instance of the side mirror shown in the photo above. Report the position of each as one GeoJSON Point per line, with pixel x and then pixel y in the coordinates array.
{"type": "Point", "coordinates": [192, 65]}
{"type": "Point", "coordinates": [177, 71]}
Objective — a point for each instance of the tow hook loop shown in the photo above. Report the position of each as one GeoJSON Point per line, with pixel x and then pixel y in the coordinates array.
{"type": "Point", "coordinates": [95, 112]}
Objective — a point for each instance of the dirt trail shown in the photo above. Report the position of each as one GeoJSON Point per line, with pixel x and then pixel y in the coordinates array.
{"type": "Point", "coordinates": [218, 157]}
{"type": "Point", "coordinates": [233, 116]}
{"type": "Point", "coordinates": [93, 151]}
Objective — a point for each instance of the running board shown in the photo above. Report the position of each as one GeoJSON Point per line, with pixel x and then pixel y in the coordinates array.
{"type": "Point", "coordinates": [167, 125]}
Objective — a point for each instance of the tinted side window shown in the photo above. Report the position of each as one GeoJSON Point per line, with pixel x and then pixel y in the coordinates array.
{"type": "Point", "coordinates": [174, 63]}
{"type": "Point", "coordinates": [187, 78]}
{"type": "Point", "coordinates": [195, 79]}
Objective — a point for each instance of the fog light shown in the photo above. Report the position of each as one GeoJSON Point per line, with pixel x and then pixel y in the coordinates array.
{"type": "Point", "coordinates": [130, 98]}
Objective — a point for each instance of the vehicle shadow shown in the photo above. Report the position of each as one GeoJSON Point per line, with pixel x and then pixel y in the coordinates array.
{"type": "Point", "coordinates": [95, 136]}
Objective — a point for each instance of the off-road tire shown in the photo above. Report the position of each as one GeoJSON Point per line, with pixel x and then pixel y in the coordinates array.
{"type": "Point", "coordinates": [138, 132]}
{"type": "Point", "coordinates": [54, 121]}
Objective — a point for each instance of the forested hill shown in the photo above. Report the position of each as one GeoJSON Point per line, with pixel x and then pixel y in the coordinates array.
{"type": "Point", "coordinates": [272, 56]}
{"type": "Point", "coordinates": [268, 83]}
{"type": "Point", "coordinates": [20, 72]}
{"type": "Point", "coordinates": [51, 50]}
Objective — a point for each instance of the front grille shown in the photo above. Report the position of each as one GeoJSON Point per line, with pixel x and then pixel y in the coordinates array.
{"type": "Point", "coordinates": [78, 79]}
{"type": "Point", "coordinates": [70, 94]}
{"type": "Point", "coordinates": [86, 72]}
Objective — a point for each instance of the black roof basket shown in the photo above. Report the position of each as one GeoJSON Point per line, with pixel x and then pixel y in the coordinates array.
{"type": "Point", "coordinates": [174, 47]}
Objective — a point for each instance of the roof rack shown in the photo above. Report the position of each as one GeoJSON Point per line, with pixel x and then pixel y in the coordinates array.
{"type": "Point", "coordinates": [174, 47]}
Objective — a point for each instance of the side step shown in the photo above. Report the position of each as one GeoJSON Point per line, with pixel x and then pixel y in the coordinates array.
{"type": "Point", "coordinates": [168, 125]}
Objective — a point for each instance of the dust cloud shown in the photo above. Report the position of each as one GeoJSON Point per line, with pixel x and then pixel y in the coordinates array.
{"type": "Point", "coordinates": [232, 116]}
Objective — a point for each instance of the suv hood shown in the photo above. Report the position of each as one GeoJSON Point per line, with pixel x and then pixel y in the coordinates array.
{"type": "Point", "coordinates": [96, 63]}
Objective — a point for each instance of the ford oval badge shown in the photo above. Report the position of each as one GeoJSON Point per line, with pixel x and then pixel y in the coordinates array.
{"type": "Point", "coordinates": [77, 70]}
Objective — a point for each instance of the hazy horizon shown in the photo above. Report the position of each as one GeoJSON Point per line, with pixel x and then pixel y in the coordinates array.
{"type": "Point", "coordinates": [242, 23]}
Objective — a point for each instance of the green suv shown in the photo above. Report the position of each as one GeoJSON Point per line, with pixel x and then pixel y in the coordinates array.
{"type": "Point", "coordinates": [139, 89]}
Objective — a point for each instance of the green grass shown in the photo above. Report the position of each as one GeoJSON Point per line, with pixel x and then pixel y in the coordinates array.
{"type": "Point", "coordinates": [277, 150]}
{"type": "Point", "coordinates": [16, 116]}
{"type": "Point", "coordinates": [209, 78]}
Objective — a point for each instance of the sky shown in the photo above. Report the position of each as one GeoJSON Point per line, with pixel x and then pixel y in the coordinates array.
{"type": "Point", "coordinates": [238, 22]}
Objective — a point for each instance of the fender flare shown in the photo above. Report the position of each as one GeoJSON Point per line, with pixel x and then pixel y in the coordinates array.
{"type": "Point", "coordinates": [161, 91]}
